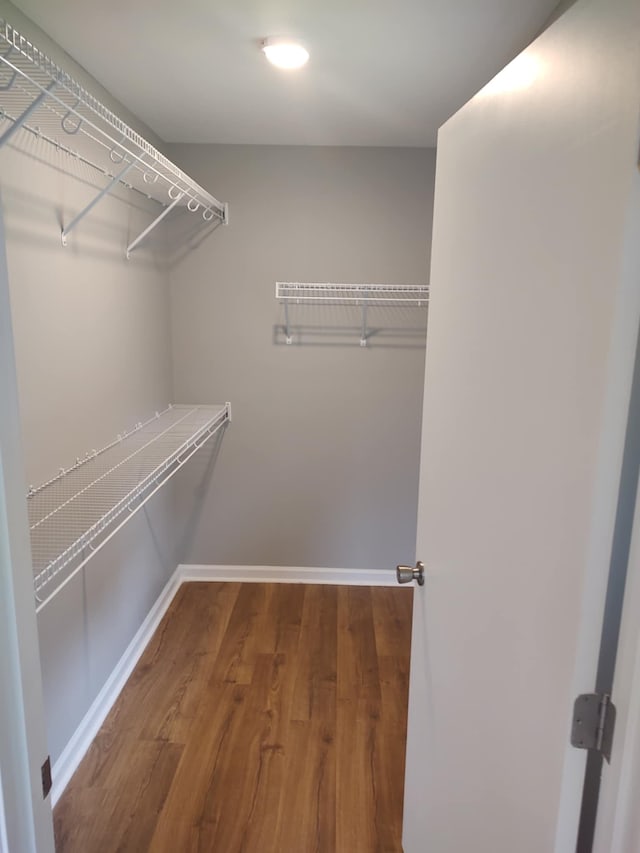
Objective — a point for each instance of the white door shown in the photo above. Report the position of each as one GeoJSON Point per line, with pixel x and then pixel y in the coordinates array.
{"type": "Point", "coordinates": [535, 291]}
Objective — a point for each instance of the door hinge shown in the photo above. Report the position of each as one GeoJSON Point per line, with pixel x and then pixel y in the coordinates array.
{"type": "Point", "coordinates": [46, 777]}
{"type": "Point", "coordinates": [594, 719]}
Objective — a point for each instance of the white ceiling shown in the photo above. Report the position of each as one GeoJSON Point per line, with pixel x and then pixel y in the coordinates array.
{"type": "Point", "coordinates": [380, 73]}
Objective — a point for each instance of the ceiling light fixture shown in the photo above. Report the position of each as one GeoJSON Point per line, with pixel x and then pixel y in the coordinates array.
{"type": "Point", "coordinates": [285, 53]}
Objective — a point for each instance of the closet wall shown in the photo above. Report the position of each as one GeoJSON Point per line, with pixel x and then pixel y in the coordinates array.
{"type": "Point", "coordinates": [92, 336]}
{"type": "Point", "coordinates": [320, 465]}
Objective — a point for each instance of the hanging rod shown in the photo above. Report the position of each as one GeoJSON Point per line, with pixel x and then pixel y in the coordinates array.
{"type": "Point", "coordinates": [39, 96]}
{"type": "Point", "coordinates": [75, 513]}
{"type": "Point", "coordinates": [363, 295]}
{"type": "Point", "coordinates": [66, 149]}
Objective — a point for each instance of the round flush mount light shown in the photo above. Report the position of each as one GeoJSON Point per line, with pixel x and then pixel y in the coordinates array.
{"type": "Point", "coordinates": [285, 53]}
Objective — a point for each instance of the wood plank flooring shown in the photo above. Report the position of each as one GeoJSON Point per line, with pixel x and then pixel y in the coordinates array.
{"type": "Point", "coordinates": [261, 717]}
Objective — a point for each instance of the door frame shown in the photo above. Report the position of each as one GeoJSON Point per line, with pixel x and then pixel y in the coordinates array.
{"type": "Point", "coordinates": [620, 786]}
{"type": "Point", "coordinates": [25, 813]}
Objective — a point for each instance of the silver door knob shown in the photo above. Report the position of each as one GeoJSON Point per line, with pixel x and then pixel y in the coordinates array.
{"type": "Point", "coordinates": [406, 574]}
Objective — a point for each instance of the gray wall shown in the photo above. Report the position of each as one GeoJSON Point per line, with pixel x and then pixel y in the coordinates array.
{"type": "Point", "coordinates": [93, 357]}
{"type": "Point", "coordinates": [320, 465]}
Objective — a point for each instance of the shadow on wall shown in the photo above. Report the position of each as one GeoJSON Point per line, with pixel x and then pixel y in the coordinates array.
{"type": "Point", "coordinates": [388, 327]}
{"type": "Point", "coordinates": [188, 231]}
{"type": "Point", "coordinates": [87, 627]}
{"type": "Point", "coordinates": [201, 469]}
{"type": "Point", "coordinates": [350, 336]}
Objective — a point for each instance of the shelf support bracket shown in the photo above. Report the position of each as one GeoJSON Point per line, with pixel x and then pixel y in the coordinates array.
{"type": "Point", "coordinates": [4, 87]}
{"type": "Point", "coordinates": [363, 333]}
{"type": "Point", "coordinates": [15, 127]}
{"type": "Point", "coordinates": [287, 330]}
{"type": "Point", "coordinates": [103, 192]}
{"type": "Point", "coordinates": [155, 222]}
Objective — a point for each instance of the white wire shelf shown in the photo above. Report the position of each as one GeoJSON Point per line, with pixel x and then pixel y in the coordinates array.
{"type": "Point", "coordinates": [40, 98]}
{"type": "Point", "coordinates": [352, 294]}
{"type": "Point", "coordinates": [363, 295]}
{"type": "Point", "coordinates": [74, 514]}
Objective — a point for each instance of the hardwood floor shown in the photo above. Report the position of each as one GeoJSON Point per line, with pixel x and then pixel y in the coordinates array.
{"type": "Point", "coordinates": [261, 717]}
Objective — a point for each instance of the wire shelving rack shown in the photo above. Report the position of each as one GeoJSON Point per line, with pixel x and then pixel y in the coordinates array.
{"type": "Point", "coordinates": [364, 296]}
{"type": "Point", "coordinates": [74, 514]}
{"type": "Point", "coordinates": [40, 98]}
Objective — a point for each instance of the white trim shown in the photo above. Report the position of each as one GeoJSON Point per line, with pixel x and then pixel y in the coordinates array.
{"type": "Point", "coordinates": [23, 742]}
{"type": "Point", "coordinates": [75, 750]}
{"type": "Point", "coordinates": [288, 574]}
{"type": "Point", "coordinates": [4, 841]}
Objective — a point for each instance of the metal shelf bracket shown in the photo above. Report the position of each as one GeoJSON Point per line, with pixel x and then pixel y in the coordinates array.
{"type": "Point", "coordinates": [150, 227]}
{"type": "Point", "coordinates": [33, 106]}
{"type": "Point", "coordinates": [363, 336]}
{"type": "Point", "coordinates": [287, 330]}
{"type": "Point", "coordinates": [78, 217]}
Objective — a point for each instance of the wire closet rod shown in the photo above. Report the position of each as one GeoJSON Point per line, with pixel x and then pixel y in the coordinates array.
{"type": "Point", "coordinates": [118, 149]}
{"type": "Point", "coordinates": [39, 96]}
{"type": "Point", "coordinates": [70, 152]}
{"type": "Point", "coordinates": [57, 77]}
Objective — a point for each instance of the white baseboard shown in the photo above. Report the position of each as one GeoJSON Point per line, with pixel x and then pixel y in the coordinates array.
{"type": "Point", "coordinates": [288, 574]}
{"type": "Point", "coordinates": [75, 750]}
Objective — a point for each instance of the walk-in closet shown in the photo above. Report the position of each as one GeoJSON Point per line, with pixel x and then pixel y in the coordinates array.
{"type": "Point", "coordinates": [202, 398]}
{"type": "Point", "coordinates": [317, 412]}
